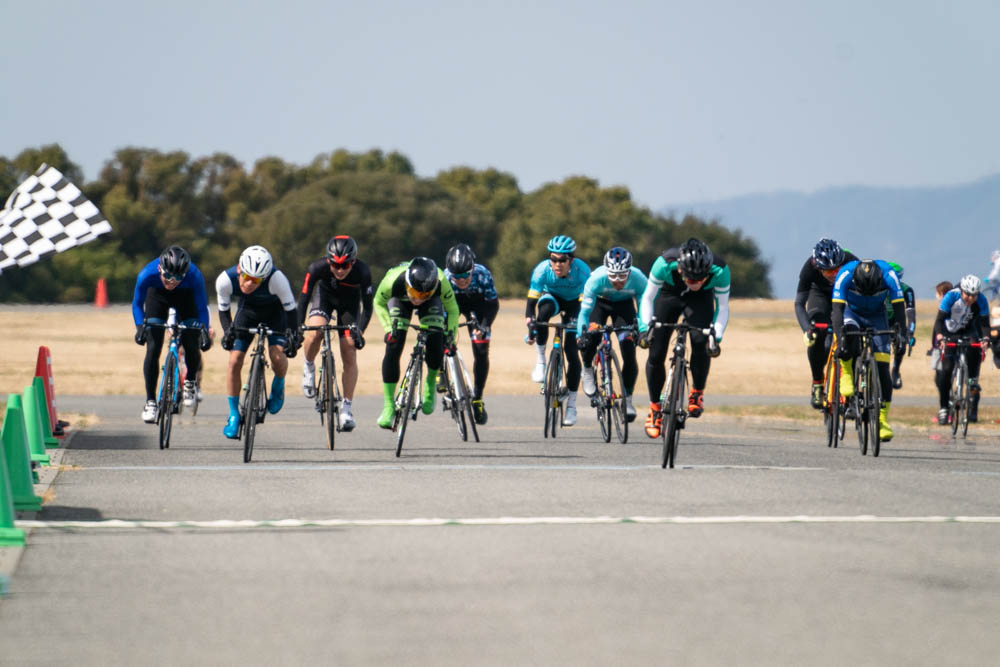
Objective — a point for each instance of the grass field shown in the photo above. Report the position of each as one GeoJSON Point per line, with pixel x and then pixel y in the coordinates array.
{"type": "Point", "coordinates": [93, 353]}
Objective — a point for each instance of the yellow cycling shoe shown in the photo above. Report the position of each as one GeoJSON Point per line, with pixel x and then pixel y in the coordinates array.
{"type": "Point", "coordinates": [847, 378]}
{"type": "Point", "coordinates": [884, 429]}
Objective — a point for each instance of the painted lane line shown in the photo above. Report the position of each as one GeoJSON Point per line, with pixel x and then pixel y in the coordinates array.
{"type": "Point", "coordinates": [348, 467]}
{"type": "Point", "coordinates": [118, 524]}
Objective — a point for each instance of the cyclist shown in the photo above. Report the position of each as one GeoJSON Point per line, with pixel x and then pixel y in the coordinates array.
{"type": "Point", "coordinates": [612, 290]}
{"type": "Point", "coordinates": [992, 285]}
{"type": "Point", "coordinates": [169, 281]}
{"type": "Point", "coordinates": [345, 287]}
{"type": "Point", "coordinates": [264, 295]}
{"type": "Point", "coordinates": [963, 311]}
{"type": "Point", "coordinates": [694, 282]}
{"type": "Point", "coordinates": [813, 307]}
{"type": "Point", "coordinates": [416, 285]}
{"type": "Point", "coordinates": [477, 299]}
{"type": "Point", "coordinates": [910, 301]}
{"type": "Point", "coordinates": [557, 286]}
{"type": "Point", "coordinates": [860, 294]}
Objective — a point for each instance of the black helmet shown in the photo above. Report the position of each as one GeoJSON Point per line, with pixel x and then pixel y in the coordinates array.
{"type": "Point", "coordinates": [695, 260]}
{"type": "Point", "coordinates": [828, 255]}
{"type": "Point", "coordinates": [867, 277]}
{"type": "Point", "coordinates": [342, 250]}
{"type": "Point", "coordinates": [422, 275]}
{"type": "Point", "coordinates": [460, 259]}
{"type": "Point", "coordinates": [175, 261]}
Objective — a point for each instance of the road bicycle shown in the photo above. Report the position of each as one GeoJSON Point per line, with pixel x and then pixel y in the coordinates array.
{"type": "Point", "coordinates": [409, 388]}
{"type": "Point", "coordinates": [554, 390]}
{"type": "Point", "coordinates": [610, 397]}
{"type": "Point", "coordinates": [673, 400]}
{"type": "Point", "coordinates": [867, 398]}
{"type": "Point", "coordinates": [457, 400]}
{"type": "Point", "coordinates": [958, 397]}
{"type": "Point", "coordinates": [834, 406]}
{"type": "Point", "coordinates": [169, 400]}
{"type": "Point", "coordinates": [253, 404]}
{"type": "Point", "coordinates": [328, 398]}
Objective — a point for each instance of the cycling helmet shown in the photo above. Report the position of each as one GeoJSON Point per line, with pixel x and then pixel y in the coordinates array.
{"type": "Point", "coordinates": [971, 284]}
{"type": "Point", "coordinates": [175, 261]}
{"type": "Point", "coordinates": [867, 277]}
{"type": "Point", "coordinates": [995, 256]}
{"type": "Point", "coordinates": [256, 262]}
{"type": "Point", "coordinates": [563, 245]}
{"type": "Point", "coordinates": [828, 255]}
{"type": "Point", "coordinates": [460, 259]}
{"type": "Point", "coordinates": [898, 269]}
{"type": "Point", "coordinates": [618, 260]}
{"type": "Point", "coordinates": [695, 260]}
{"type": "Point", "coordinates": [422, 275]}
{"type": "Point", "coordinates": [342, 250]}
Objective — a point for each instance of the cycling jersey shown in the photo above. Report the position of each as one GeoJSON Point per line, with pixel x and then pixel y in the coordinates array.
{"type": "Point", "coordinates": [954, 315]}
{"type": "Point", "coordinates": [393, 286]}
{"type": "Point", "coordinates": [354, 293]}
{"type": "Point", "coordinates": [813, 294]}
{"type": "Point", "coordinates": [665, 278]}
{"type": "Point", "coordinates": [191, 287]}
{"type": "Point", "coordinates": [271, 303]}
{"type": "Point", "coordinates": [480, 297]}
{"type": "Point", "coordinates": [862, 304]}
{"type": "Point", "coordinates": [598, 286]}
{"type": "Point", "coordinates": [545, 281]}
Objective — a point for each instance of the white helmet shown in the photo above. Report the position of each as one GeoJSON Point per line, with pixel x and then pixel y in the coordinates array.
{"type": "Point", "coordinates": [256, 262]}
{"type": "Point", "coordinates": [995, 256]}
{"type": "Point", "coordinates": [970, 284]}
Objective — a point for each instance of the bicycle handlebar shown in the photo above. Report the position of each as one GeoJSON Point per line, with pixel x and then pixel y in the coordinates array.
{"type": "Point", "coordinates": [175, 325]}
{"type": "Point", "coordinates": [328, 327]}
{"type": "Point", "coordinates": [683, 326]}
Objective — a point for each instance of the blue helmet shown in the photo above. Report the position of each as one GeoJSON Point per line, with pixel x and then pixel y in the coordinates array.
{"type": "Point", "coordinates": [563, 245]}
{"type": "Point", "coordinates": [828, 255]}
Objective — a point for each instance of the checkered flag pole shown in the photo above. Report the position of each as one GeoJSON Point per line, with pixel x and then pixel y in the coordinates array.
{"type": "Point", "coordinates": [46, 214]}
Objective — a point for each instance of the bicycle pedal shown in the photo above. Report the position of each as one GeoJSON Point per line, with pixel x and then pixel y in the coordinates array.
{"type": "Point", "coordinates": [595, 402]}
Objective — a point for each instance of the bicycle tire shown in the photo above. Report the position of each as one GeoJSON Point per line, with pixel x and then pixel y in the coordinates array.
{"type": "Point", "coordinates": [831, 408]}
{"type": "Point", "coordinates": [955, 404]}
{"type": "Point", "coordinates": [255, 388]}
{"type": "Point", "coordinates": [603, 396]}
{"type": "Point", "coordinates": [554, 375]}
{"type": "Point", "coordinates": [874, 409]}
{"type": "Point", "coordinates": [328, 382]}
{"type": "Point", "coordinates": [455, 396]}
{"type": "Point", "coordinates": [619, 407]}
{"type": "Point", "coordinates": [166, 416]}
{"type": "Point", "coordinates": [412, 385]}
{"type": "Point", "coordinates": [675, 404]}
{"type": "Point", "coordinates": [470, 415]}
{"type": "Point", "coordinates": [861, 421]}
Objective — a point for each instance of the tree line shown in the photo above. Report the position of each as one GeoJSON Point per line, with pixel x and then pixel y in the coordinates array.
{"type": "Point", "coordinates": [214, 207]}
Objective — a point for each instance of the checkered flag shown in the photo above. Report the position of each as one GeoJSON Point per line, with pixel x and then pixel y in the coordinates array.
{"type": "Point", "coordinates": [46, 214]}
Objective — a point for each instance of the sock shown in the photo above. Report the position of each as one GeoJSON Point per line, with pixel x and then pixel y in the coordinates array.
{"type": "Point", "coordinates": [311, 365]}
{"type": "Point", "coordinates": [540, 349]}
{"type": "Point", "coordinates": [389, 390]}
{"type": "Point", "coordinates": [234, 405]}
{"type": "Point", "coordinates": [571, 400]}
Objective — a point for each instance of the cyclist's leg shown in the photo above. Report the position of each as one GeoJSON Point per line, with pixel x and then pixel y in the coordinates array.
{"type": "Point", "coordinates": [235, 367]}
{"type": "Point", "coordinates": [943, 379]}
{"type": "Point", "coordinates": [480, 357]}
{"type": "Point", "coordinates": [853, 346]}
{"type": "Point", "coordinates": [571, 309]}
{"type": "Point", "coordinates": [699, 312]}
{"type": "Point", "coordinates": [156, 310]}
{"type": "Point", "coordinates": [432, 315]}
{"type": "Point", "coordinates": [598, 316]}
{"type": "Point", "coordinates": [276, 319]}
{"type": "Point", "coordinates": [348, 354]}
{"type": "Point", "coordinates": [624, 315]}
{"type": "Point", "coordinates": [974, 359]}
{"type": "Point", "coordinates": [883, 357]}
{"type": "Point", "coordinates": [546, 308]}
{"type": "Point", "coordinates": [818, 307]}
{"type": "Point", "coordinates": [666, 308]}
{"type": "Point", "coordinates": [399, 312]}
{"type": "Point", "coordinates": [318, 314]}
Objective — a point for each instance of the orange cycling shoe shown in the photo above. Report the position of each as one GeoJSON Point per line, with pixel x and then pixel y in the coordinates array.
{"type": "Point", "coordinates": [654, 421]}
{"type": "Point", "coordinates": [695, 405]}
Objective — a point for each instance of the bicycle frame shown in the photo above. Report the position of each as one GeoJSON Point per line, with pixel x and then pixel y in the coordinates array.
{"type": "Point", "coordinates": [609, 401]}
{"type": "Point", "coordinates": [553, 387]}
{"type": "Point", "coordinates": [959, 399]}
{"type": "Point", "coordinates": [328, 397]}
{"type": "Point", "coordinates": [458, 400]}
{"type": "Point", "coordinates": [169, 395]}
{"type": "Point", "coordinates": [410, 384]}
{"type": "Point", "coordinates": [867, 399]}
{"type": "Point", "coordinates": [833, 405]}
{"type": "Point", "coordinates": [253, 406]}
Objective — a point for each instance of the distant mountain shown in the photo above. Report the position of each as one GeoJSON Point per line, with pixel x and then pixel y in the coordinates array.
{"type": "Point", "coordinates": [935, 233]}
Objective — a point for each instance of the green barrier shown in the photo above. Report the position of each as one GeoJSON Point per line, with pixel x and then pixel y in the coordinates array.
{"type": "Point", "coordinates": [33, 426]}
{"type": "Point", "coordinates": [17, 456]}
{"type": "Point", "coordinates": [9, 535]}
{"type": "Point", "coordinates": [43, 412]}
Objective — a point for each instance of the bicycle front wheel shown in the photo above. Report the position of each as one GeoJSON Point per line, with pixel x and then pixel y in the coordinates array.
{"type": "Point", "coordinates": [603, 395]}
{"type": "Point", "coordinates": [957, 397]}
{"type": "Point", "coordinates": [618, 407]}
{"type": "Point", "coordinates": [553, 382]}
{"type": "Point", "coordinates": [254, 405]}
{"type": "Point", "coordinates": [675, 414]}
{"type": "Point", "coordinates": [874, 408]}
{"type": "Point", "coordinates": [328, 386]}
{"type": "Point", "coordinates": [860, 405]}
{"type": "Point", "coordinates": [466, 400]}
{"type": "Point", "coordinates": [410, 389]}
{"type": "Point", "coordinates": [453, 399]}
{"type": "Point", "coordinates": [167, 398]}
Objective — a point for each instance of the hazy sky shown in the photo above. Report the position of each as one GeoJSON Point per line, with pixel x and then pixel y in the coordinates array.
{"type": "Point", "coordinates": [678, 101]}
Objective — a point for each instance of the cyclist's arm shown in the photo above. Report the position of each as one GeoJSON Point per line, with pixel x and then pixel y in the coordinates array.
{"type": "Point", "coordinates": [223, 294]}
{"type": "Point", "coordinates": [381, 301]}
{"type": "Point", "coordinates": [648, 299]}
{"type": "Point", "coordinates": [589, 298]}
{"type": "Point", "coordinates": [200, 296]}
{"type": "Point", "coordinates": [899, 311]}
{"type": "Point", "coordinates": [488, 312]}
{"type": "Point", "coordinates": [281, 288]}
{"type": "Point", "coordinates": [800, 310]}
{"type": "Point", "coordinates": [939, 328]}
{"type": "Point", "coordinates": [721, 283]}
{"type": "Point", "coordinates": [450, 304]}
{"type": "Point", "coordinates": [911, 310]}
{"type": "Point", "coordinates": [305, 294]}
{"type": "Point", "coordinates": [983, 320]}
{"type": "Point", "coordinates": [837, 318]}
{"type": "Point", "coordinates": [143, 282]}
{"type": "Point", "coordinates": [367, 298]}
{"type": "Point", "coordinates": [535, 290]}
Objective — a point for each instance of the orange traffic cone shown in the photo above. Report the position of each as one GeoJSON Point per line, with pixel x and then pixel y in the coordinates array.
{"type": "Point", "coordinates": [101, 298]}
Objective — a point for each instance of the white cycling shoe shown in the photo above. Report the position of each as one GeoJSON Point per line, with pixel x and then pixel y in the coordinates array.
{"type": "Point", "coordinates": [569, 419]}
{"type": "Point", "coordinates": [538, 373]}
{"type": "Point", "coordinates": [149, 412]}
{"type": "Point", "coordinates": [346, 419]}
{"type": "Point", "coordinates": [589, 381]}
{"type": "Point", "coordinates": [309, 380]}
{"type": "Point", "coordinates": [190, 394]}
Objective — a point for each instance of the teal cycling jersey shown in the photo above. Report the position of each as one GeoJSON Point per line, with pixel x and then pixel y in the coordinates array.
{"type": "Point", "coordinates": [666, 277]}
{"type": "Point", "coordinates": [599, 287]}
{"type": "Point", "coordinates": [545, 281]}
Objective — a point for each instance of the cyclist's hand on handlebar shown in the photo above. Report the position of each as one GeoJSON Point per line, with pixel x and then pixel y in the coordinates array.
{"type": "Point", "coordinates": [391, 338]}
{"type": "Point", "coordinates": [713, 349]}
{"type": "Point", "coordinates": [228, 338]}
{"type": "Point", "coordinates": [204, 341]}
{"type": "Point", "coordinates": [357, 338]}
{"type": "Point", "coordinates": [140, 334]}
{"type": "Point", "coordinates": [449, 345]}
{"type": "Point", "coordinates": [292, 342]}
{"type": "Point", "coordinates": [809, 338]}
{"type": "Point", "coordinates": [842, 350]}
{"type": "Point", "coordinates": [532, 332]}
{"type": "Point", "coordinates": [645, 338]}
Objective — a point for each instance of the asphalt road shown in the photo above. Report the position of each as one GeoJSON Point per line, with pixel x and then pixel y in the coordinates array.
{"type": "Point", "coordinates": [725, 578]}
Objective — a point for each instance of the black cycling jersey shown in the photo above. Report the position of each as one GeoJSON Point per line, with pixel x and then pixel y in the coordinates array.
{"type": "Point", "coordinates": [354, 293]}
{"type": "Point", "coordinates": [817, 290]}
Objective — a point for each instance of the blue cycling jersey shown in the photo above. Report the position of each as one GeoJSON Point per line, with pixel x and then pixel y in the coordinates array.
{"type": "Point", "coordinates": [481, 285]}
{"type": "Point", "coordinates": [598, 286]}
{"type": "Point", "coordinates": [960, 314]}
{"type": "Point", "coordinates": [150, 277]}
{"type": "Point", "coordinates": [545, 281]}
{"type": "Point", "coordinates": [866, 305]}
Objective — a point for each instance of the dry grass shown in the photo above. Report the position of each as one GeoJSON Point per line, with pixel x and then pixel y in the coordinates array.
{"type": "Point", "coordinates": [93, 353]}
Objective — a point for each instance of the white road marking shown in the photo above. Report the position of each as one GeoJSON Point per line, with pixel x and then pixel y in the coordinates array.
{"type": "Point", "coordinates": [349, 467]}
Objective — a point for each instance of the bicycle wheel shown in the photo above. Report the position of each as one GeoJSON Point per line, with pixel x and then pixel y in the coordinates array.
{"type": "Point", "coordinates": [874, 408]}
{"type": "Point", "coordinates": [406, 404]}
{"type": "Point", "coordinates": [603, 376]}
{"type": "Point", "coordinates": [831, 400]}
{"type": "Point", "coordinates": [466, 400]}
{"type": "Point", "coordinates": [674, 416]}
{"type": "Point", "coordinates": [167, 388]}
{"type": "Point", "coordinates": [455, 396]}
{"type": "Point", "coordinates": [957, 397]}
{"type": "Point", "coordinates": [553, 392]}
{"type": "Point", "coordinates": [254, 403]}
{"type": "Point", "coordinates": [861, 421]}
{"type": "Point", "coordinates": [618, 408]}
{"type": "Point", "coordinates": [328, 385]}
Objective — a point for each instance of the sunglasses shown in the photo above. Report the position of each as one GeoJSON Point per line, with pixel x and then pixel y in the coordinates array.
{"type": "Point", "coordinates": [617, 277]}
{"type": "Point", "coordinates": [172, 277]}
{"type": "Point", "coordinates": [255, 281]}
{"type": "Point", "coordinates": [558, 259]}
{"type": "Point", "coordinates": [340, 266]}
{"type": "Point", "coordinates": [414, 294]}
{"type": "Point", "coordinates": [693, 281]}
{"type": "Point", "coordinates": [829, 272]}
{"type": "Point", "coordinates": [462, 276]}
